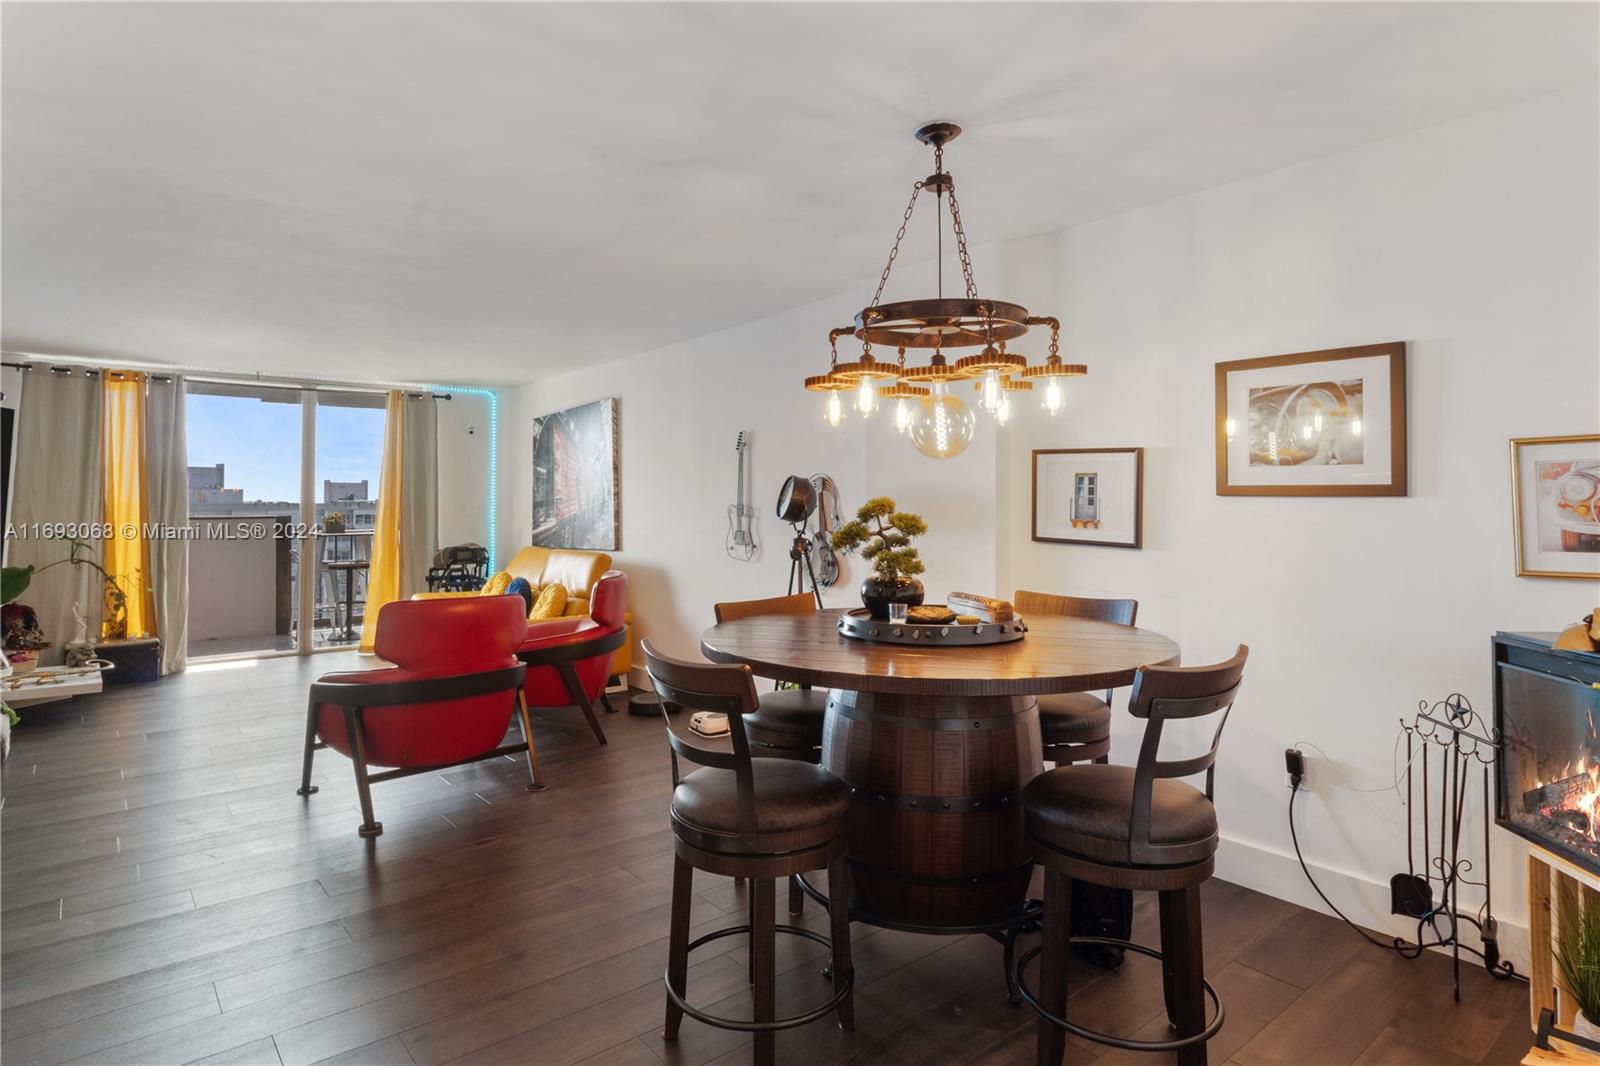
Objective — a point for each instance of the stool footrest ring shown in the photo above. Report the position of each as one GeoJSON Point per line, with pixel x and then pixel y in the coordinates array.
{"type": "Point", "coordinates": [742, 1025]}
{"type": "Point", "coordinates": [1108, 1039]}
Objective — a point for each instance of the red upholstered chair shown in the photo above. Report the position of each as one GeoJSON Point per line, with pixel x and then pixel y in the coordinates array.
{"type": "Point", "coordinates": [569, 663]}
{"type": "Point", "coordinates": [447, 700]}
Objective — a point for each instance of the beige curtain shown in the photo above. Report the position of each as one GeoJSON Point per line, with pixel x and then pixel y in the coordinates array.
{"type": "Point", "coordinates": [167, 484]}
{"type": "Point", "coordinates": [60, 479]}
{"type": "Point", "coordinates": [405, 529]}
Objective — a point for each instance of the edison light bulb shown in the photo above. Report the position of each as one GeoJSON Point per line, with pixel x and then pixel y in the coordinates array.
{"type": "Point", "coordinates": [1002, 414]}
{"type": "Point", "coordinates": [902, 415]}
{"type": "Point", "coordinates": [990, 392]}
{"type": "Point", "coordinates": [866, 397]}
{"type": "Point", "coordinates": [942, 425]}
{"type": "Point", "coordinates": [1230, 426]}
{"type": "Point", "coordinates": [1053, 398]}
{"type": "Point", "coordinates": [833, 410]}
{"type": "Point", "coordinates": [1356, 427]}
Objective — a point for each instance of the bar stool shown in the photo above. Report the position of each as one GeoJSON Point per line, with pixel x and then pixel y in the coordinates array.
{"type": "Point", "coordinates": [754, 818]}
{"type": "Point", "coordinates": [1135, 828]}
{"type": "Point", "coordinates": [789, 723]}
{"type": "Point", "coordinates": [1076, 726]}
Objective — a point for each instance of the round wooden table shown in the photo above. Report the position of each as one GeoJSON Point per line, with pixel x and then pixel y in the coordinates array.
{"type": "Point", "coordinates": [937, 745]}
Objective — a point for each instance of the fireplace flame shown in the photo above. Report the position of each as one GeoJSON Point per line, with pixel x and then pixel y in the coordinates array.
{"type": "Point", "coordinates": [1573, 798]}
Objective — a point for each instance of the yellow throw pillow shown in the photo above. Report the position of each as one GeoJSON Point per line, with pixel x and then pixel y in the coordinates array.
{"type": "Point", "coordinates": [496, 586]}
{"type": "Point", "coordinates": [552, 602]}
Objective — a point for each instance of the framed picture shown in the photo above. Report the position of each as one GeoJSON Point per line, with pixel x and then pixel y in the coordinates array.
{"type": "Point", "coordinates": [576, 497]}
{"type": "Point", "coordinates": [1089, 496]}
{"type": "Point", "coordinates": [1555, 501]}
{"type": "Point", "coordinates": [1329, 423]}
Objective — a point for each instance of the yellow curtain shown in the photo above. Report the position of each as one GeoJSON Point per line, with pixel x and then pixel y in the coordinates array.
{"type": "Point", "coordinates": [126, 553]}
{"type": "Point", "coordinates": [383, 578]}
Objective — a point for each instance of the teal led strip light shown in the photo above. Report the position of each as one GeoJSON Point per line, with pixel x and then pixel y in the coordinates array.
{"type": "Point", "coordinates": [494, 452]}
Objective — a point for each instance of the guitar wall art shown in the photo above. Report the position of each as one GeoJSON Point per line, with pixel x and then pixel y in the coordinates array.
{"type": "Point", "coordinates": [741, 543]}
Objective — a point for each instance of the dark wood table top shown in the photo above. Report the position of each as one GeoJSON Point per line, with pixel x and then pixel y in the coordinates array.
{"type": "Point", "coordinates": [1057, 655]}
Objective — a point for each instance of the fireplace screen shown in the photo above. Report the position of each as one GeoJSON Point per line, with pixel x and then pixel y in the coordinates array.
{"type": "Point", "coordinates": [1550, 762]}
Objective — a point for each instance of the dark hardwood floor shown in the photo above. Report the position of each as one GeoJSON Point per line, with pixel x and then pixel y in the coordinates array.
{"type": "Point", "coordinates": [167, 898]}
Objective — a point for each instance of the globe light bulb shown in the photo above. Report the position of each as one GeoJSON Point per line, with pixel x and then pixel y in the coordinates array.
{"type": "Point", "coordinates": [1230, 427]}
{"type": "Point", "coordinates": [902, 415]}
{"type": "Point", "coordinates": [866, 398]}
{"type": "Point", "coordinates": [1053, 399]}
{"type": "Point", "coordinates": [833, 410]}
{"type": "Point", "coordinates": [990, 392]}
{"type": "Point", "coordinates": [942, 425]}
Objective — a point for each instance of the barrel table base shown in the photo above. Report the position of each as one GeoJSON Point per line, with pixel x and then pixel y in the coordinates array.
{"type": "Point", "coordinates": [936, 838]}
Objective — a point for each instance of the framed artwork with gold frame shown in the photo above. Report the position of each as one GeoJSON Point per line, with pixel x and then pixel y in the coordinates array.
{"type": "Point", "coordinates": [1325, 423]}
{"type": "Point", "coordinates": [1555, 506]}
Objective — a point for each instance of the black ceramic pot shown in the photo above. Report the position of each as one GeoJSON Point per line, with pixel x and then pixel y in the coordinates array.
{"type": "Point", "coordinates": [877, 594]}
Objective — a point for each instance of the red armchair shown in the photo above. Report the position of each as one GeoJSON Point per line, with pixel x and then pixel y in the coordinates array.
{"type": "Point", "coordinates": [447, 700]}
{"type": "Point", "coordinates": [569, 665]}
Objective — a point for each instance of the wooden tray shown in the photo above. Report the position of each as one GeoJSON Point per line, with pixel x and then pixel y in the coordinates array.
{"type": "Point", "coordinates": [859, 625]}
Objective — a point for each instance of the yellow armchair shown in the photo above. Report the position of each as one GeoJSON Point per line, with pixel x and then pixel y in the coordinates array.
{"type": "Point", "coordinates": [576, 570]}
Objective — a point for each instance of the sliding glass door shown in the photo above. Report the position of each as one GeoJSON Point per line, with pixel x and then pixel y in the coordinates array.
{"type": "Point", "coordinates": [283, 495]}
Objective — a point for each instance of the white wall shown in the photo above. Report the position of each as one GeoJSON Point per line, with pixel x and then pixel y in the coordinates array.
{"type": "Point", "coordinates": [681, 409]}
{"type": "Point", "coordinates": [464, 444]}
{"type": "Point", "coordinates": [1475, 242]}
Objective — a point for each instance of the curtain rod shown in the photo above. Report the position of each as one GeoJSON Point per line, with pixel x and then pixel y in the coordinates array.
{"type": "Point", "coordinates": [221, 377]}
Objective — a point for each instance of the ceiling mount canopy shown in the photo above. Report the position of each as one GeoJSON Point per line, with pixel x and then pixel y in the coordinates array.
{"type": "Point", "coordinates": [940, 322]}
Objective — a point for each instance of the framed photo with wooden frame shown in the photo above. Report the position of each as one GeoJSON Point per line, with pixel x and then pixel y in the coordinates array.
{"type": "Point", "coordinates": [1089, 496]}
{"type": "Point", "coordinates": [1325, 423]}
{"type": "Point", "coordinates": [1555, 506]}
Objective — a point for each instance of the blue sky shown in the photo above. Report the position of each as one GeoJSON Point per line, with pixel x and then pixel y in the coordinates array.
{"type": "Point", "coordinates": [260, 444]}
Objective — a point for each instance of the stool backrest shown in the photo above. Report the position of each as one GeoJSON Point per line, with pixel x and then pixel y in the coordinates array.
{"type": "Point", "coordinates": [1122, 612]}
{"type": "Point", "coordinates": [799, 603]}
{"type": "Point", "coordinates": [729, 690]}
{"type": "Point", "coordinates": [1119, 612]}
{"type": "Point", "coordinates": [1168, 693]}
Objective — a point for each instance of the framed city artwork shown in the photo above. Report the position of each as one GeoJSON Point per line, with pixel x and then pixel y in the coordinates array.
{"type": "Point", "coordinates": [576, 496]}
{"type": "Point", "coordinates": [1555, 506]}
{"type": "Point", "coordinates": [1089, 496]}
{"type": "Point", "coordinates": [1328, 423]}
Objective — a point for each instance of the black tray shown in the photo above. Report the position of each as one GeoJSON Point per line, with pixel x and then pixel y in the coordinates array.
{"type": "Point", "coordinates": [859, 625]}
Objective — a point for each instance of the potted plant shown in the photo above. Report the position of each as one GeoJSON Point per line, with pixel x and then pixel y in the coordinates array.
{"type": "Point", "coordinates": [1578, 955]}
{"type": "Point", "coordinates": [883, 535]}
{"type": "Point", "coordinates": [333, 522]}
{"type": "Point", "coordinates": [14, 581]}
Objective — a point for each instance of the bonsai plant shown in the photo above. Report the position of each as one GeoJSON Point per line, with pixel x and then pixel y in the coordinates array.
{"type": "Point", "coordinates": [1578, 956]}
{"type": "Point", "coordinates": [882, 535]}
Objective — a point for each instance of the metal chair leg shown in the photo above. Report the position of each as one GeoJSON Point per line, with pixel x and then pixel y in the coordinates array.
{"type": "Point", "coordinates": [678, 944]}
{"type": "Point", "coordinates": [536, 782]}
{"type": "Point", "coordinates": [839, 933]}
{"type": "Point", "coordinates": [575, 690]}
{"type": "Point", "coordinates": [306, 787]}
{"type": "Point", "coordinates": [370, 826]}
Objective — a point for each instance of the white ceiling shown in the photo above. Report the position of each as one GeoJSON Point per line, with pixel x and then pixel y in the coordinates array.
{"type": "Point", "coordinates": [484, 192]}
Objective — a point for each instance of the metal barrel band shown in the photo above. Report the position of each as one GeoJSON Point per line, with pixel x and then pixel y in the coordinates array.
{"type": "Point", "coordinates": [905, 801]}
{"type": "Point", "coordinates": [1108, 1039]}
{"type": "Point", "coordinates": [739, 1024]}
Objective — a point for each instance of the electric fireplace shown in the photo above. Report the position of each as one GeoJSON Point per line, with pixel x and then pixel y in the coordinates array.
{"type": "Point", "coordinates": [1547, 712]}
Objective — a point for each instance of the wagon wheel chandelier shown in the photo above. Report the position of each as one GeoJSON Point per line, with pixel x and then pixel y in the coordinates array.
{"type": "Point", "coordinates": [939, 423]}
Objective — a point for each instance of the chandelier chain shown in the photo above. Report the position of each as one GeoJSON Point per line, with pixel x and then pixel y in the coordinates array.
{"type": "Point", "coordinates": [899, 235]}
{"type": "Point", "coordinates": [961, 244]}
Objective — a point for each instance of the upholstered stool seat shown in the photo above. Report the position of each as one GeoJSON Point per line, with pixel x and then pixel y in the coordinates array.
{"type": "Point", "coordinates": [788, 719]}
{"type": "Point", "coordinates": [1073, 718]}
{"type": "Point", "coordinates": [798, 806]}
{"type": "Point", "coordinates": [1085, 810]}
